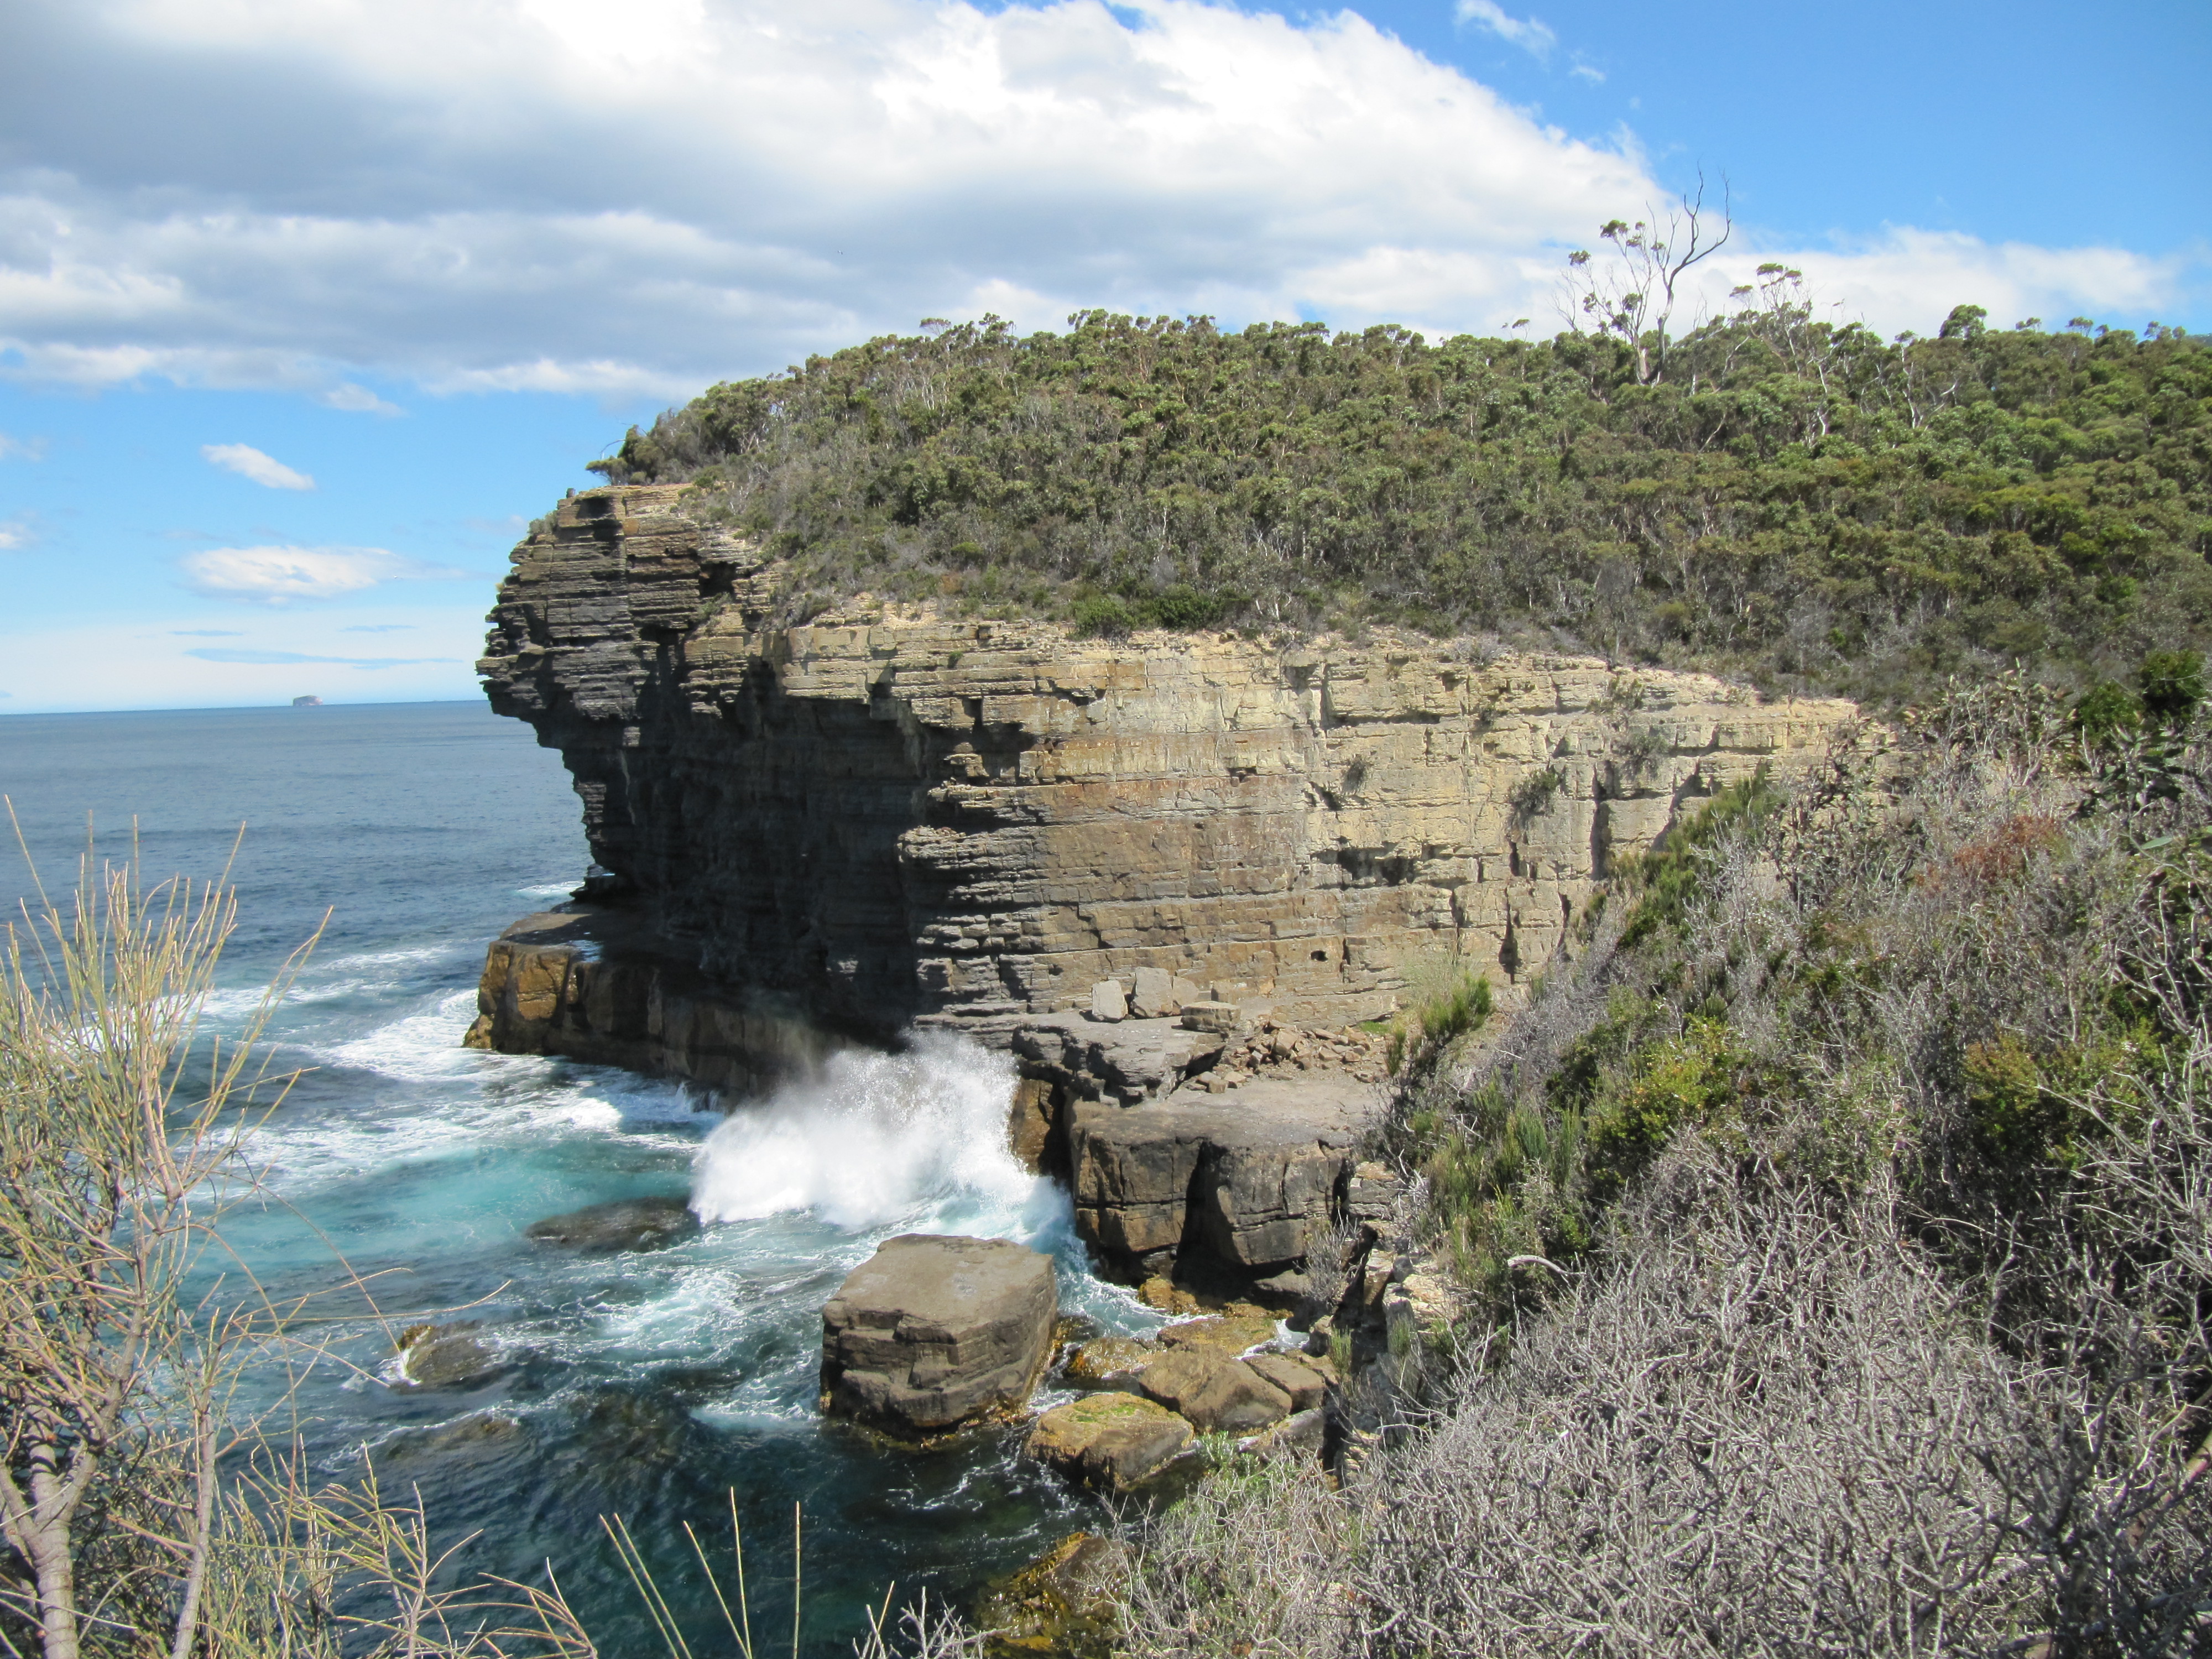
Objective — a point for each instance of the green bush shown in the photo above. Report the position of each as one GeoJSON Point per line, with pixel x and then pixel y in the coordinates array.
{"type": "Point", "coordinates": [1102, 617]}
{"type": "Point", "coordinates": [1803, 505]}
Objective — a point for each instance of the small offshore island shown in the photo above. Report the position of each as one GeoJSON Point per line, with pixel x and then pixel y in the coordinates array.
{"type": "Point", "coordinates": [1536, 1080]}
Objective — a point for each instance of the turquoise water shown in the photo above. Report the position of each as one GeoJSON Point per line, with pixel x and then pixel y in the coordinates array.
{"type": "Point", "coordinates": [647, 1385]}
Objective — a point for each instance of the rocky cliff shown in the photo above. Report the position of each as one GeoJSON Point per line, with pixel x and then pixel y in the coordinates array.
{"type": "Point", "coordinates": [884, 819]}
{"type": "Point", "coordinates": [881, 819]}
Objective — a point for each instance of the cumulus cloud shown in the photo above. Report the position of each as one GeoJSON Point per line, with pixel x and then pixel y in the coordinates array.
{"type": "Point", "coordinates": [287, 575]}
{"type": "Point", "coordinates": [564, 196]}
{"type": "Point", "coordinates": [248, 462]}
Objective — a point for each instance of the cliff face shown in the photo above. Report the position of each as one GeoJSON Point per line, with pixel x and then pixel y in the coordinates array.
{"type": "Point", "coordinates": [882, 819]}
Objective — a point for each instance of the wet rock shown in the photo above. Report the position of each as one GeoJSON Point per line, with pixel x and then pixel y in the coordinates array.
{"type": "Point", "coordinates": [1110, 1362]}
{"type": "Point", "coordinates": [1162, 1294]}
{"type": "Point", "coordinates": [446, 1357]}
{"type": "Point", "coordinates": [624, 1224]}
{"type": "Point", "coordinates": [1110, 1441]}
{"type": "Point", "coordinates": [1214, 1391]}
{"type": "Point", "coordinates": [480, 1437]}
{"type": "Point", "coordinates": [1306, 1385]}
{"type": "Point", "coordinates": [1032, 1121]}
{"type": "Point", "coordinates": [1063, 1605]}
{"type": "Point", "coordinates": [930, 1333]}
{"type": "Point", "coordinates": [1230, 1332]}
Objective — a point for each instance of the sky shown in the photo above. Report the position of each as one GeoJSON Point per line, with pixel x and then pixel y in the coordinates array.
{"type": "Point", "coordinates": [308, 307]}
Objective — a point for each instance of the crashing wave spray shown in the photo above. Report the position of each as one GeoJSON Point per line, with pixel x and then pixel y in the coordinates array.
{"type": "Point", "coordinates": [917, 1138]}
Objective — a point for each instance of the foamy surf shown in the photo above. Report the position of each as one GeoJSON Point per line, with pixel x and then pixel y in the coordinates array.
{"type": "Point", "coordinates": [917, 1138]}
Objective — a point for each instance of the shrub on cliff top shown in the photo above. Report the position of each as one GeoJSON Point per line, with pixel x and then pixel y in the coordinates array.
{"type": "Point", "coordinates": [1811, 505]}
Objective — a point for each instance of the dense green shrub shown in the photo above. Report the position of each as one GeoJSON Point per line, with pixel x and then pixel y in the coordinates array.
{"type": "Point", "coordinates": [1809, 505]}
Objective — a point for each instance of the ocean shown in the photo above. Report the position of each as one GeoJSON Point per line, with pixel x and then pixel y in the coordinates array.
{"type": "Point", "coordinates": [652, 1385]}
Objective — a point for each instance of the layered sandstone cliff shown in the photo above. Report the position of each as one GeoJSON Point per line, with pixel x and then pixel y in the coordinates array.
{"type": "Point", "coordinates": [879, 820]}
{"type": "Point", "coordinates": [884, 819]}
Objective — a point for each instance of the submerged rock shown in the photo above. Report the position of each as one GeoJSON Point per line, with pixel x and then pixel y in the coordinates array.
{"type": "Point", "coordinates": [1062, 1604]}
{"type": "Point", "coordinates": [624, 1224]}
{"type": "Point", "coordinates": [446, 1356]}
{"type": "Point", "coordinates": [1110, 1362]}
{"type": "Point", "coordinates": [1110, 1441]}
{"type": "Point", "coordinates": [931, 1332]}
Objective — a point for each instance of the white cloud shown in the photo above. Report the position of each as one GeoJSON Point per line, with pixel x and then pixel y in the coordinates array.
{"type": "Point", "coordinates": [249, 462]}
{"type": "Point", "coordinates": [632, 200]}
{"type": "Point", "coordinates": [285, 575]}
{"type": "Point", "coordinates": [21, 449]}
{"type": "Point", "coordinates": [16, 535]}
{"type": "Point", "coordinates": [1525, 33]}
{"type": "Point", "coordinates": [358, 400]}
{"type": "Point", "coordinates": [1588, 72]}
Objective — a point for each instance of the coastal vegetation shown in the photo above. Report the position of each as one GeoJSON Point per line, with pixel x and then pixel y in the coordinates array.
{"type": "Point", "coordinates": [1833, 1223]}
{"type": "Point", "coordinates": [1774, 496]}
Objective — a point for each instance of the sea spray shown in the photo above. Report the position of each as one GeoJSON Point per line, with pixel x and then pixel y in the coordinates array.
{"type": "Point", "coordinates": [916, 1140]}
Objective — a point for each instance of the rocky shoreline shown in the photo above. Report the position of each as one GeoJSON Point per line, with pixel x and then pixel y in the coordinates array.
{"type": "Point", "coordinates": [1182, 881]}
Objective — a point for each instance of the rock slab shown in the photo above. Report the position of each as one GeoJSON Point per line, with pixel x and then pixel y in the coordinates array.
{"type": "Point", "coordinates": [931, 1332]}
{"type": "Point", "coordinates": [1110, 1441]}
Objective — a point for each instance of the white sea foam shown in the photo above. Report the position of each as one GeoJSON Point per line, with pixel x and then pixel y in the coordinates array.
{"type": "Point", "coordinates": [365, 973]}
{"type": "Point", "coordinates": [424, 1047]}
{"type": "Point", "coordinates": [549, 890]}
{"type": "Point", "coordinates": [918, 1139]}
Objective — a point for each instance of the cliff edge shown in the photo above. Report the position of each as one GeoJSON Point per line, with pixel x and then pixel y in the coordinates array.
{"type": "Point", "coordinates": [884, 820]}
{"type": "Point", "coordinates": [880, 820]}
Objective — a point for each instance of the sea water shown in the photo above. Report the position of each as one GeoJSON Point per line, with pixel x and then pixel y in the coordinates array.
{"type": "Point", "coordinates": [400, 1171]}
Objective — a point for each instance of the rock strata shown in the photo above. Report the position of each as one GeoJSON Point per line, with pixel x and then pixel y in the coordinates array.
{"type": "Point", "coordinates": [882, 818]}
{"type": "Point", "coordinates": [931, 1332]}
{"type": "Point", "coordinates": [1214, 1391]}
{"type": "Point", "coordinates": [1172, 872]}
{"type": "Point", "coordinates": [1227, 1188]}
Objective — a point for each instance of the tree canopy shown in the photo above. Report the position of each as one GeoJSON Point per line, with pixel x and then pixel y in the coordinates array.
{"type": "Point", "coordinates": [1806, 504]}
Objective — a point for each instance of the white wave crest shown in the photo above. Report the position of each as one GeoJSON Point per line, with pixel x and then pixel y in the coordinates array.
{"type": "Point", "coordinates": [918, 1138]}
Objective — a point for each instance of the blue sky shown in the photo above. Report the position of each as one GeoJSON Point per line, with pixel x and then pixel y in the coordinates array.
{"type": "Point", "coordinates": [308, 306]}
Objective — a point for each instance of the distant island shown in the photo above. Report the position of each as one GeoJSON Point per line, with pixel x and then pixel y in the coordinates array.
{"type": "Point", "coordinates": [307, 702]}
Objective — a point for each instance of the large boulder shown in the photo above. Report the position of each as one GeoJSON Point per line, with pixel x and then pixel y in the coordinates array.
{"type": "Point", "coordinates": [1110, 1441]}
{"type": "Point", "coordinates": [1214, 1391]}
{"type": "Point", "coordinates": [930, 1333]}
{"type": "Point", "coordinates": [1211, 1188]}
